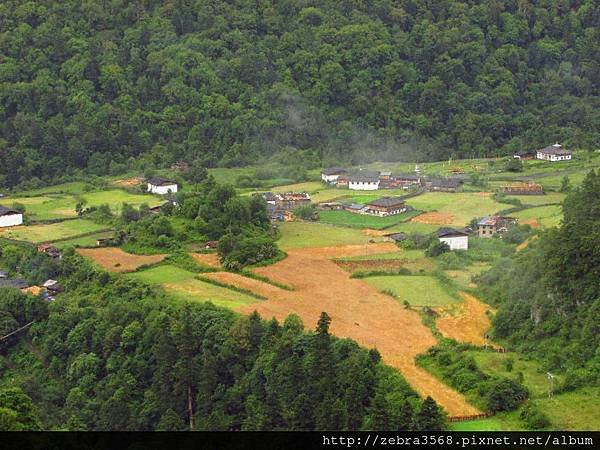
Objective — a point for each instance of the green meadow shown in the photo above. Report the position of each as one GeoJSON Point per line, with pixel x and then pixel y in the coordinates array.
{"type": "Point", "coordinates": [418, 290]}
{"type": "Point", "coordinates": [309, 234]}
{"type": "Point", "coordinates": [62, 205]}
{"type": "Point", "coordinates": [182, 284]}
{"type": "Point", "coordinates": [547, 216]}
{"type": "Point", "coordinates": [52, 232]}
{"type": "Point", "coordinates": [354, 220]}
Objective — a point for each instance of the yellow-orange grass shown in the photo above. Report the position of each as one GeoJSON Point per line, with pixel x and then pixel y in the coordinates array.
{"type": "Point", "coordinates": [465, 322]}
{"type": "Point", "coordinates": [116, 260]}
{"type": "Point", "coordinates": [207, 259]}
{"type": "Point", "coordinates": [434, 218]}
{"type": "Point", "coordinates": [358, 311]}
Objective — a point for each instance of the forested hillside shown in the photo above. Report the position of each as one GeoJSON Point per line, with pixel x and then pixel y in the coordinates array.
{"type": "Point", "coordinates": [95, 85]}
{"type": "Point", "coordinates": [113, 354]}
{"type": "Point", "coordinates": [549, 296]}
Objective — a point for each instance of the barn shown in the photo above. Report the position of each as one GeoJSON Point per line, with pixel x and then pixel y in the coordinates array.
{"type": "Point", "coordinates": [162, 186]}
{"type": "Point", "coordinates": [331, 174]}
{"type": "Point", "coordinates": [456, 240]}
{"type": "Point", "coordinates": [386, 206]}
{"type": "Point", "coordinates": [554, 153]}
{"type": "Point", "coordinates": [10, 217]}
{"type": "Point", "coordinates": [364, 181]}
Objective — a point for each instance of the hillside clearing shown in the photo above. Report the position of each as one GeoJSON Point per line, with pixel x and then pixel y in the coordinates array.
{"type": "Point", "coordinates": [114, 259]}
{"type": "Point", "coordinates": [467, 321]}
{"type": "Point", "coordinates": [418, 290]}
{"type": "Point", "coordinates": [51, 232]}
{"type": "Point", "coordinates": [358, 311]}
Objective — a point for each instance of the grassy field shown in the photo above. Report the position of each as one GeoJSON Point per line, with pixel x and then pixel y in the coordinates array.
{"type": "Point", "coordinates": [413, 227]}
{"type": "Point", "coordinates": [544, 216]}
{"type": "Point", "coordinates": [182, 285]}
{"type": "Point", "coordinates": [418, 290]}
{"type": "Point", "coordinates": [353, 220]}
{"type": "Point", "coordinates": [575, 410]}
{"type": "Point", "coordinates": [85, 241]}
{"type": "Point", "coordinates": [461, 207]}
{"type": "Point", "coordinates": [306, 234]}
{"type": "Point", "coordinates": [400, 254]}
{"type": "Point", "coordinates": [57, 206]}
{"type": "Point", "coordinates": [539, 200]}
{"type": "Point", "coordinates": [52, 232]}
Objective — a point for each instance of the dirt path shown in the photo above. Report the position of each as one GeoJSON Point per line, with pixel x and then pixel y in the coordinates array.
{"type": "Point", "coordinates": [358, 311]}
{"type": "Point", "coordinates": [467, 321]}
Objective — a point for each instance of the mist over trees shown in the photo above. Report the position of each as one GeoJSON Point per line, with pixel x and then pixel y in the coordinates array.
{"type": "Point", "coordinates": [105, 86]}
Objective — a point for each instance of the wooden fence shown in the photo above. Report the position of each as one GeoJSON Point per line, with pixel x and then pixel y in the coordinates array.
{"type": "Point", "coordinates": [471, 417]}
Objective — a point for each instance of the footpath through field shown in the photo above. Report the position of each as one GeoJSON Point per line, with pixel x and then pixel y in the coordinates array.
{"type": "Point", "coordinates": [358, 311]}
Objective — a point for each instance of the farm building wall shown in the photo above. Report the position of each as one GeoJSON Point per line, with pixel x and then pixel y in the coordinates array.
{"type": "Point", "coordinates": [11, 220]}
{"type": "Point", "coordinates": [456, 242]}
{"type": "Point", "coordinates": [363, 186]}
{"type": "Point", "coordinates": [162, 190]}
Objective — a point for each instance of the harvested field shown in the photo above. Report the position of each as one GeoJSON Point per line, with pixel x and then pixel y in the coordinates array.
{"type": "Point", "coordinates": [434, 218]}
{"type": "Point", "coordinates": [256, 286]}
{"type": "Point", "coordinates": [207, 259]}
{"type": "Point", "coordinates": [532, 222]}
{"type": "Point", "coordinates": [374, 233]}
{"type": "Point", "coordinates": [484, 194]}
{"type": "Point", "coordinates": [116, 260]}
{"type": "Point", "coordinates": [129, 182]}
{"type": "Point", "coordinates": [465, 322]}
{"type": "Point", "coordinates": [372, 264]}
{"type": "Point", "coordinates": [358, 312]}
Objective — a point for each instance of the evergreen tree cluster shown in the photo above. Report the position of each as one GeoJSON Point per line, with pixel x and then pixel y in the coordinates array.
{"type": "Point", "coordinates": [113, 354]}
{"type": "Point", "coordinates": [104, 86]}
{"type": "Point", "coordinates": [548, 296]}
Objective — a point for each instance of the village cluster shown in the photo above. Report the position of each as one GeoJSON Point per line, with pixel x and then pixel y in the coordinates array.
{"type": "Point", "coordinates": [47, 290]}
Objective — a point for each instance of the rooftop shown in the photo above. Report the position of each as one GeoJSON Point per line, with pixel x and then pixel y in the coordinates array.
{"type": "Point", "coordinates": [364, 176]}
{"type": "Point", "coordinates": [333, 171]}
{"type": "Point", "coordinates": [158, 181]}
{"type": "Point", "coordinates": [555, 149]}
{"type": "Point", "coordinates": [4, 211]}
{"type": "Point", "coordinates": [387, 202]}
{"type": "Point", "coordinates": [450, 232]}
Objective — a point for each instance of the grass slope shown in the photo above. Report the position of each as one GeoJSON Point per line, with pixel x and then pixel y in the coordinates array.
{"type": "Point", "coordinates": [52, 232]}
{"type": "Point", "coordinates": [307, 234]}
{"type": "Point", "coordinates": [418, 290]}
{"type": "Point", "coordinates": [182, 285]}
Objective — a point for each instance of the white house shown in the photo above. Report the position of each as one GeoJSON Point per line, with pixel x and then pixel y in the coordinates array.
{"type": "Point", "coordinates": [10, 217]}
{"type": "Point", "coordinates": [456, 240]}
{"type": "Point", "coordinates": [554, 153]}
{"type": "Point", "coordinates": [331, 174]}
{"type": "Point", "coordinates": [161, 186]}
{"type": "Point", "coordinates": [364, 181]}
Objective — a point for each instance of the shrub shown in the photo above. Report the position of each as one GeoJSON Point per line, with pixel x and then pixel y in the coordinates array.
{"type": "Point", "coordinates": [437, 248]}
{"type": "Point", "coordinates": [533, 417]}
{"type": "Point", "coordinates": [503, 394]}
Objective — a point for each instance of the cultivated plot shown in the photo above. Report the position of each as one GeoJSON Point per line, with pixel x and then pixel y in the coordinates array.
{"type": "Point", "coordinates": [114, 259]}
{"type": "Point", "coordinates": [358, 311]}
{"type": "Point", "coordinates": [183, 285]}
{"type": "Point", "coordinates": [418, 290]}
{"type": "Point", "coordinates": [541, 216]}
{"type": "Point", "coordinates": [307, 234]}
{"type": "Point", "coordinates": [51, 232]}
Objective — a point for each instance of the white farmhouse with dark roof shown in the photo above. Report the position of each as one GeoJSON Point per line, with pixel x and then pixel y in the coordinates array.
{"type": "Point", "coordinates": [10, 217]}
{"type": "Point", "coordinates": [554, 153]}
{"type": "Point", "coordinates": [456, 240]}
{"type": "Point", "coordinates": [331, 174]}
{"type": "Point", "coordinates": [364, 181]}
{"type": "Point", "coordinates": [161, 186]}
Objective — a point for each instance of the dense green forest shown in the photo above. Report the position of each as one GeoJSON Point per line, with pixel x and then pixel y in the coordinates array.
{"type": "Point", "coordinates": [549, 296]}
{"type": "Point", "coordinates": [113, 354]}
{"type": "Point", "coordinates": [110, 85]}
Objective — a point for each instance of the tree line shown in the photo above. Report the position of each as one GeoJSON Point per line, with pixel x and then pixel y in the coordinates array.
{"type": "Point", "coordinates": [103, 87]}
{"type": "Point", "coordinates": [548, 295]}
